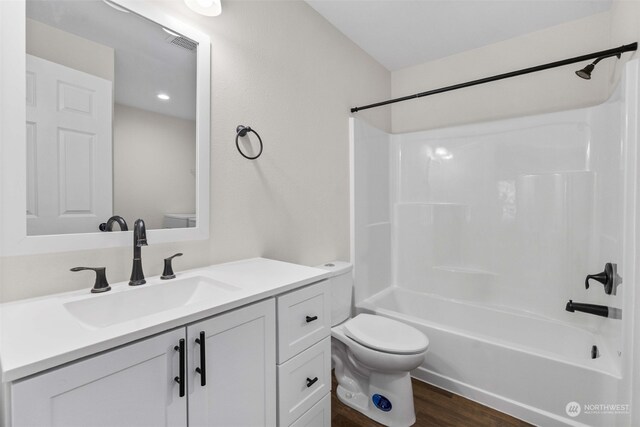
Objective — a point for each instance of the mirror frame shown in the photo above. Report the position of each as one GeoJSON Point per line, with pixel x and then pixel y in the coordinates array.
{"type": "Point", "coordinates": [13, 187]}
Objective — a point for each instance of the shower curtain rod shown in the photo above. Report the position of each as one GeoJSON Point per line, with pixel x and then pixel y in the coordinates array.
{"type": "Point", "coordinates": [603, 53]}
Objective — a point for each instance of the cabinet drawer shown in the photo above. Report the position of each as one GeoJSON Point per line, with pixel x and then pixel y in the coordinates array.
{"type": "Point", "coordinates": [318, 416]}
{"type": "Point", "coordinates": [298, 388]}
{"type": "Point", "coordinates": [304, 318]}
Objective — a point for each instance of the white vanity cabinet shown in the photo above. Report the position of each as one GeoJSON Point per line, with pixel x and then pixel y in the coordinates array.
{"type": "Point", "coordinates": [135, 385]}
{"type": "Point", "coordinates": [304, 357]}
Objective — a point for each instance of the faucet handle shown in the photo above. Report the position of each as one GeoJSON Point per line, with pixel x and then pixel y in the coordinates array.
{"type": "Point", "coordinates": [168, 273]}
{"type": "Point", "coordinates": [609, 278]}
{"type": "Point", "coordinates": [101, 284]}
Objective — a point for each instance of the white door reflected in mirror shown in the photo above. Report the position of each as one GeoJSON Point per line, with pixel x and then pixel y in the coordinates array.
{"type": "Point", "coordinates": [69, 174]}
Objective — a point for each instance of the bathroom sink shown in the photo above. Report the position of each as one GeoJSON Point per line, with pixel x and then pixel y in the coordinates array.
{"type": "Point", "coordinates": [101, 311]}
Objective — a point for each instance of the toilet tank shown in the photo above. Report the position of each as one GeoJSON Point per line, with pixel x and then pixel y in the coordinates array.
{"type": "Point", "coordinates": [341, 284]}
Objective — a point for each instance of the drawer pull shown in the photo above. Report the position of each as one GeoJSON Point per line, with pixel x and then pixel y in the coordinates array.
{"type": "Point", "coordinates": [311, 382]}
{"type": "Point", "coordinates": [311, 319]}
{"type": "Point", "coordinates": [202, 370]}
{"type": "Point", "coordinates": [180, 378]}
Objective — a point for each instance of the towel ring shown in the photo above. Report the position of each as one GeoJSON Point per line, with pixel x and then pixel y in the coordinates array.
{"type": "Point", "coordinates": [242, 131]}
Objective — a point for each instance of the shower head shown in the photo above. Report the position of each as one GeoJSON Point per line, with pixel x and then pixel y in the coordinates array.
{"type": "Point", "coordinates": [585, 73]}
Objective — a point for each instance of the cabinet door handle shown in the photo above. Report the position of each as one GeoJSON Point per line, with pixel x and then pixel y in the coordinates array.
{"type": "Point", "coordinates": [311, 382]}
{"type": "Point", "coordinates": [311, 319]}
{"type": "Point", "coordinates": [180, 378]}
{"type": "Point", "coordinates": [202, 370]}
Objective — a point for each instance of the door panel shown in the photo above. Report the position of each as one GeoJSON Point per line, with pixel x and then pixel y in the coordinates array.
{"type": "Point", "coordinates": [240, 366]}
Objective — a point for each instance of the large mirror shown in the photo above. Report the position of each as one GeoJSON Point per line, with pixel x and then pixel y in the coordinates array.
{"type": "Point", "coordinates": [115, 95]}
{"type": "Point", "coordinates": [111, 119]}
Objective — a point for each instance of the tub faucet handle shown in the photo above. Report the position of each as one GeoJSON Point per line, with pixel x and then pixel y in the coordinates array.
{"type": "Point", "coordinates": [609, 278]}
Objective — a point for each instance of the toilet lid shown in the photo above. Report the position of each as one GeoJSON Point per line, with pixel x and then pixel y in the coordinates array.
{"type": "Point", "coordinates": [384, 334]}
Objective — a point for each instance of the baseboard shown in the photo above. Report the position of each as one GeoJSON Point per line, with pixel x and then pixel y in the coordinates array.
{"type": "Point", "coordinates": [499, 403]}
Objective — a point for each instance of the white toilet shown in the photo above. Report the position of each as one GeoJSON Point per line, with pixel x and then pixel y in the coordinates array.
{"type": "Point", "coordinates": [372, 356]}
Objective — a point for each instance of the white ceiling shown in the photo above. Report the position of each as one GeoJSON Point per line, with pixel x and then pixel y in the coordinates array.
{"type": "Point", "coordinates": [145, 63]}
{"type": "Point", "coordinates": [402, 33]}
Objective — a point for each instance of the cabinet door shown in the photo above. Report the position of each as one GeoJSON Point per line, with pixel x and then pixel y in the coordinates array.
{"type": "Point", "coordinates": [240, 368]}
{"type": "Point", "coordinates": [130, 386]}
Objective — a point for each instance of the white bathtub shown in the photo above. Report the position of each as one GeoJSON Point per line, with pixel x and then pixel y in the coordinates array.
{"type": "Point", "coordinates": [527, 366]}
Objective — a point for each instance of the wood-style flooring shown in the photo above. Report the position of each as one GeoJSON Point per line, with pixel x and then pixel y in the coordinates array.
{"type": "Point", "coordinates": [434, 408]}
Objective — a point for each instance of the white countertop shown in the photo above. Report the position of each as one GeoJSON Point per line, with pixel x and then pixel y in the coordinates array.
{"type": "Point", "coordinates": [38, 334]}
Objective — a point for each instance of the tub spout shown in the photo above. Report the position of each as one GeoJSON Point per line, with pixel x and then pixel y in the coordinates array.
{"type": "Point", "coordinates": [598, 310]}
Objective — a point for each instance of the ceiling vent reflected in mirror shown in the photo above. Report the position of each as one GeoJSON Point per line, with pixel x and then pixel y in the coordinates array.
{"type": "Point", "coordinates": [182, 42]}
{"type": "Point", "coordinates": [177, 40]}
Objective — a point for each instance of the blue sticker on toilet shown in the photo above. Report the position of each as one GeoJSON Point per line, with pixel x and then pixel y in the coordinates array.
{"type": "Point", "coordinates": [381, 402]}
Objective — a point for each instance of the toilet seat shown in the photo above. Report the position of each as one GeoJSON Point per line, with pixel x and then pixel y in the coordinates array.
{"type": "Point", "coordinates": [386, 335]}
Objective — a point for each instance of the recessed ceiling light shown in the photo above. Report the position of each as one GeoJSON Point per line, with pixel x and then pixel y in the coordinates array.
{"type": "Point", "coordinates": [164, 96]}
{"type": "Point", "coordinates": [205, 7]}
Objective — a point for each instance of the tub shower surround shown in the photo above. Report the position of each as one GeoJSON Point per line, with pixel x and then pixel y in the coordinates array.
{"type": "Point", "coordinates": [479, 235]}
